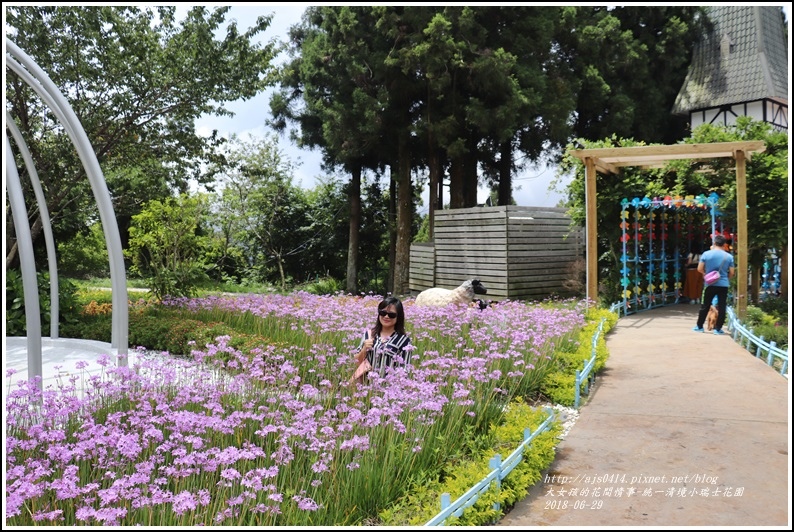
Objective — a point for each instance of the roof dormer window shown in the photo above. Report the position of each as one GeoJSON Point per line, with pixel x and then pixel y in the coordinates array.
{"type": "Point", "coordinates": [726, 44]}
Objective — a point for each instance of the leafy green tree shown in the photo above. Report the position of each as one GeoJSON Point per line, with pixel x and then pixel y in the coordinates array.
{"type": "Point", "coordinates": [632, 182]}
{"type": "Point", "coordinates": [536, 124]}
{"type": "Point", "coordinates": [460, 89]}
{"type": "Point", "coordinates": [137, 79]}
{"type": "Point", "coordinates": [331, 90]}
{"type": "Point", "coordinates": [261, 210]}
{"type": "Point", "coordinates": [627, 64]}
{"type": "Point", "coordinates": [325, 251]}
{"type": "Point", "coordinates": [167, 242]}
{"type": "Point", "coordinates": [85, 254]}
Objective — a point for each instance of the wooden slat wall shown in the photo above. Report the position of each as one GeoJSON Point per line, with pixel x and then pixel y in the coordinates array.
{"type": "Point", "coordinates": [472, 243]}
{"type": "Point", "coordinates": [541, 249]}
{"type": "Point", "coordinates": [422, 267]}
{"type": "Point", "coordinates": [517, 252]}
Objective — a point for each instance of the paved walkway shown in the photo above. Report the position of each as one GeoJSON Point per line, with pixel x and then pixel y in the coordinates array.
{"type": "Point", "coordinates": [680, 429]}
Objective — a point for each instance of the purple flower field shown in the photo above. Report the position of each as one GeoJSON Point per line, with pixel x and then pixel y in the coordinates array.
{"type": "Point", "coordinates": [276, 436]}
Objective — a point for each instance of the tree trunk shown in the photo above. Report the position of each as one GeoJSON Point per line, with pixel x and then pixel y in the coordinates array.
{"type": "Point", "coordinates": [36, 230]}
{"type": "Point", "coordinates": [470, 175]}
{"type": "Point", "coordinates": [505, 196]}
{"type": "Point", "coordinates": [392, 231]}
{"type": "Point", "coordinates": [281, 272]}
{"type": "Point", "coordinates": [404, 195]}
{"type": "Point", "coordinates": [355, 222]}
{"type": "Point", "coordinates": [435, 185]}
{"type": "Point", "coordinates": [456, 198]}
{"type": "Point", "coordinates": [440, 203]}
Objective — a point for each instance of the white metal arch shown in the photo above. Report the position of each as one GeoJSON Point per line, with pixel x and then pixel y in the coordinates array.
{"type": "Point", "coordinates": [37, 79]}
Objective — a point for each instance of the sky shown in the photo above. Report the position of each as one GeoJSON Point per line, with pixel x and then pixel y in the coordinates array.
{"type": "Point", "coordinates": [530, 187]}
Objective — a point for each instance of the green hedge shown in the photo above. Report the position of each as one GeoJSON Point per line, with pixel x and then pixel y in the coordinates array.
{"type": "Point", "coordinates": [560, 385]}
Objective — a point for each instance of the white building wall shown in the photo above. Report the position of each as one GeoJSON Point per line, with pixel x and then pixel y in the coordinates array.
{"type": "Point", "coordinates": [775, 113]}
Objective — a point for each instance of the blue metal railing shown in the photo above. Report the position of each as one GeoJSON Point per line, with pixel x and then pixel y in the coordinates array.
{"type": "Point", "coordinates": [745, 338]}
{"type": "Point", "coordinates": [644, 302]}
{"type": "Point", "coordinates": [584, 375]}
{"type": "Point", "coordinates": [499, 470]}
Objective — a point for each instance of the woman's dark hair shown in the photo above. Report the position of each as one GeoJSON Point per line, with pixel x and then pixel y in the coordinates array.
{"type": "Point", "coordinates": [399, 326]}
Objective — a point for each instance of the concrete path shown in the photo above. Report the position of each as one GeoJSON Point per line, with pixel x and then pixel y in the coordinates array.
{"type": "Point", "coordinates": [680, 429]}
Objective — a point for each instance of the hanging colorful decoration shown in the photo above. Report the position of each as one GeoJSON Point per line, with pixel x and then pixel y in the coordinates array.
{"type": "Point", "coordinates": [657, 237]}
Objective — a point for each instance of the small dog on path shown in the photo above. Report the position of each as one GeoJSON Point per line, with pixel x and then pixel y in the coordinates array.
{"type": "Point", "coordinates": [711, 318]}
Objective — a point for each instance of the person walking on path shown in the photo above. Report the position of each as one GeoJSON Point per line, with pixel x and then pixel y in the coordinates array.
{"type": "Point", "coordinates": [720, 260]}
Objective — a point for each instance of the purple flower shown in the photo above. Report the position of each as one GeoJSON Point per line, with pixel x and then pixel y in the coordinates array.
{"type": "Point", "coordinates": [129, 446]}
{"type": "Point", "coordinates": [204, 497]}
{"type": "Point", "coordinates": [306, 503]}
{"type": "Point", "coordinates": [84, 513]}
{"type": "Point", "coordinates": [230, 474]}
{"type": "Point", "coordinates": [184, 502]}
{"type": "Point", "coordinates": [55, 515]}
{"type": "Point", "coordinates": [360, 443]}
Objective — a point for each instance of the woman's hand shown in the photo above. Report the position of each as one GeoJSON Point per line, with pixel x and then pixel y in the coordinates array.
{"type": "Point", "coordinates": [368, 343]}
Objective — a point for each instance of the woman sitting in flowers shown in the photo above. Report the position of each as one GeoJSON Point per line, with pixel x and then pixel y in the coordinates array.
{"type": "Point", "coordinates": [386, 345]}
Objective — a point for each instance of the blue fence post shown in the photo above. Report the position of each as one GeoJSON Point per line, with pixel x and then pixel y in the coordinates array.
{"type": "Point", "coordinates": [446, 501]}
{"type": "Point", "coordinates": [495, 463]}
{"type": "Point", "coordinates": [576, 382]}
{"type": "Point", "coordinates": [770, 357]}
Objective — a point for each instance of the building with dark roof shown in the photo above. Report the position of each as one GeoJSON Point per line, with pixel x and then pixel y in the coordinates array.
{"type": "Point", "coordinates": [739, 67]}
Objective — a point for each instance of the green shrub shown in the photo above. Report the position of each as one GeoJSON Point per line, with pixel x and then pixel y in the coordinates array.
{"type": "Point", "coordinates": [772, 332]}
{"type": "Point", "coordinates": [324, 286]}
{"type": "Point", "coordinates": [754, 316]}
{"type": "Point", "coordinates": [85, 254]}
{"type": "Point", "coordinates": [176, 335]}
{"type": "Point", "coordinates": [770, 327]}
{"type": "Point", "coordinates": [16, 320]}
{"type": "Point", "coordinates": [559, 386]}
{"type": "Point", "coordinates": [775, 306]}
{"type": "Point", "coordinates": [91, 327]}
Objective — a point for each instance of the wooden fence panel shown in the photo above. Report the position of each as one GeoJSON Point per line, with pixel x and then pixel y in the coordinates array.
{"type": "Point", "coordinates": [517, 252]}
{"type": "Point", "coordinates": [422, 267]}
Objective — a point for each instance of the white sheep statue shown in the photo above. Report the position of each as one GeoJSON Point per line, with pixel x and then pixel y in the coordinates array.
{"type": "Point", "coordinates": [441, 297]}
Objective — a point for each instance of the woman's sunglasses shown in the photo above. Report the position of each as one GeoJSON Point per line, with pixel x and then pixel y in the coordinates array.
{"type": "Point", "coordinates": [383, 314]}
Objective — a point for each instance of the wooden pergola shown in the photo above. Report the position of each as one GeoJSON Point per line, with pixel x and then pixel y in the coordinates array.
{"type": "Point", "coordinates": [611, 160]}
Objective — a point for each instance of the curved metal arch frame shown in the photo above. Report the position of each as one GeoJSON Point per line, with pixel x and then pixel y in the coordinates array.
{"type": "Point", "coordinates": [38, 80]}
